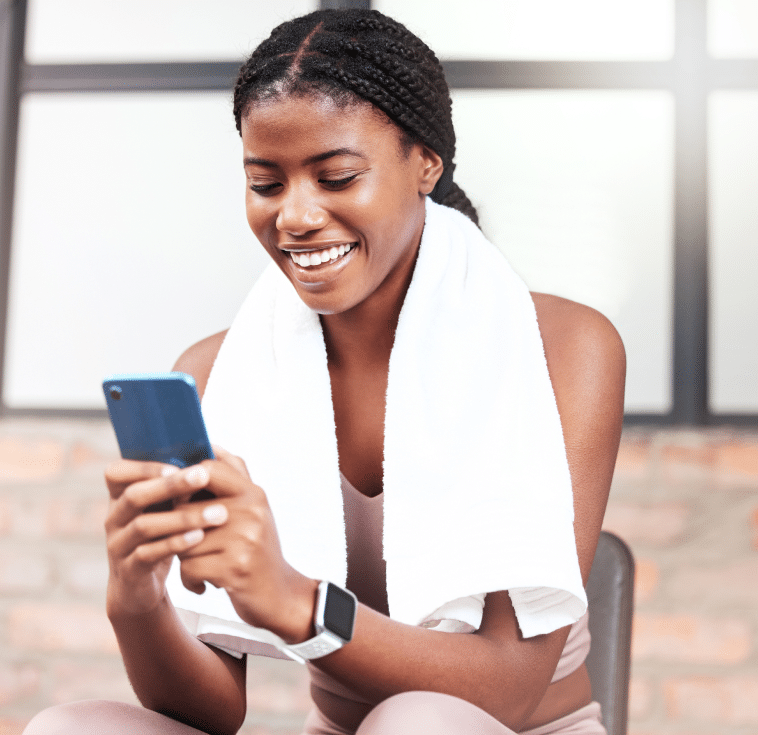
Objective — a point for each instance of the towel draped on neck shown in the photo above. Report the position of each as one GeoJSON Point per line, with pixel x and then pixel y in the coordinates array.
{"type": "Point", "coordinates": [477, 492]}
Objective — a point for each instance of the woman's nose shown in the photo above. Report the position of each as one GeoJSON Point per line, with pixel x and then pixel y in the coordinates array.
{"type": "Point", "coordinates": [300, 214]}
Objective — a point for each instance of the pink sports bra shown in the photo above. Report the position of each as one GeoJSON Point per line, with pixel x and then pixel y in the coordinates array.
{"type": "Point", "coordinates": [367, 578]}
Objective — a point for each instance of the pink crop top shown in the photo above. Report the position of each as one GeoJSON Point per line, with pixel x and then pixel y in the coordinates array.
{"type": "Point", "coordinates": [367, 578]}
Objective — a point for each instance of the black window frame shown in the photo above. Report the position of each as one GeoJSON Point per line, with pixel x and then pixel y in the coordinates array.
{"type": "Point", "coordinates": [691, 75]}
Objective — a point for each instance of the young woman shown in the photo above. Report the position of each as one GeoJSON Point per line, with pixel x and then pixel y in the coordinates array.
{"type": "Point", "coordinates": [347, 134]}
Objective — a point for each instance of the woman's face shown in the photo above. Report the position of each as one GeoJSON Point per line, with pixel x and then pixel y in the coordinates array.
{"type": "Point", "coordinates": [334, 199]}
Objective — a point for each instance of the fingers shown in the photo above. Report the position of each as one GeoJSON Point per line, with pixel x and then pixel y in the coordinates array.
{"type": "Point", "coordinates": [152, 536]}
{"type": "Point", "coordinates": [122, 473]}
{"type": "Point", "coordinates": [237, 462]}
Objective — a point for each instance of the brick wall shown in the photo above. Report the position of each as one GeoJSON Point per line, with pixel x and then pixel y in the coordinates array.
{"type": "Point", "coordinates": [686, 502]}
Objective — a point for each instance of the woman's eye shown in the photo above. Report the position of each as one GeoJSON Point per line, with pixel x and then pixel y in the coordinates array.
{"type": "Point", "coordinates": [264, 188]}
{"type": "Point", "coordinates": [337, 183]}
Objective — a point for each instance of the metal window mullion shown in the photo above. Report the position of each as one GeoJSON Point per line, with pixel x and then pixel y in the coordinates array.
{"type": "Point", "coordinates": [690, 348]}
{"type": "Point", "coordinates": [12, 24]}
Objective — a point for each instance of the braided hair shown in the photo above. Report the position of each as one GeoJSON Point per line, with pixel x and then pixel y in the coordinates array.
{"type": "Point", "coordinates": [351, 55]}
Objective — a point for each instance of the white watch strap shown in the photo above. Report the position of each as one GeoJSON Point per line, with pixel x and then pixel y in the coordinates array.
{"type": "Point", "coordinates": [318, 646]}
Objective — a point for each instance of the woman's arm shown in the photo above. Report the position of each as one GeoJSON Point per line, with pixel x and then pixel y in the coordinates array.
{"type": "Point", "coordinates": [170, 670]}
{"type": "Point", "coordinates": [494, 668]}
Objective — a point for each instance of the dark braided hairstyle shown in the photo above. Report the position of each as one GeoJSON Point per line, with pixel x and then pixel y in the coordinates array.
{"type": "Point", "coordinates": [360, 54]}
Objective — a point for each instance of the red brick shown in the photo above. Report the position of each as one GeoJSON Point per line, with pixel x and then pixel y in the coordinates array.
{"type": "Point", "coordinates": [23, 571]}
{"type": "Point", "coordinates": [698, 453]}
{"type": "Point", "coordinates": [734, 582]}
{"type": "Point", "coordinates": [640, 697]}
{"type": "Point", "coordinates": [740, 457]}
{"type": "Point", "coordinates": [26, 460]}
{"type": "Point", "coordinates": [5, 516]}
{"type": "Point", "coordinates": [690, 638]}
{"type": "Point", "coordinates": [87, 576]}
{"type": "Point", "coordinates": [17, 681]}
{"type": "Point", "coordinates": [646, 576]}
{"type": "Point", "coordinates": [60, 627]}
{"type": "Point", "coordinates": [633, 460]}
{"type": "Point", "coordinates": [93, 680]}
{"type": "Point", "coordinates": [86, 460]}
{"type": "Point", "coordinates": [657, 524]}
{"type": "Point", "coordinates": [726, 700]}
{"type": "Point", "coordinates": [72, 517]}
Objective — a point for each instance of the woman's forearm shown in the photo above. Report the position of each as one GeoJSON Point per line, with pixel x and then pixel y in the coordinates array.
{"type": "Point", "coordinates": [175, 674]}
{"type": "Point", "coordinates": [493, 668]}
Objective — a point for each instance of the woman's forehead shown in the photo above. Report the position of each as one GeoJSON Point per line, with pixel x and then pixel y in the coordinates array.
{"type": "Point", "coordinates": [314, 118]}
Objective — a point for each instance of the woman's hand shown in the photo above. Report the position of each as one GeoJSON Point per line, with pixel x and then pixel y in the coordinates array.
{"type": "Point", "coordinates": [142, 544]}
{"type": "Point", "coordinates": [242, 554]}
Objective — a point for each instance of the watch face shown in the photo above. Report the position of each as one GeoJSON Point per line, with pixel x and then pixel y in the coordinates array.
{"type": "Point", "coordinates": [339, 612]}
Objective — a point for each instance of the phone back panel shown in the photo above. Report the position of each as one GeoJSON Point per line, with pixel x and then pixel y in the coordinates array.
{"type": "Point", "coordinates": [157, 417]}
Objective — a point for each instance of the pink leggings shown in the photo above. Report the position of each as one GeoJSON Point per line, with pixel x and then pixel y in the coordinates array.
{"type": "Point", "coordinates": [404, 714]}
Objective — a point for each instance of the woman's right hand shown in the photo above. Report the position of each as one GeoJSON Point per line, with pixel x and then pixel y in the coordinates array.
{"type": "Point", "coordinates": [142, 545]}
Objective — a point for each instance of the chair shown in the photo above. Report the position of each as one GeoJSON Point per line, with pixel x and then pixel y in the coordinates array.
{"type": "Point", "coordinates": [611, 598]}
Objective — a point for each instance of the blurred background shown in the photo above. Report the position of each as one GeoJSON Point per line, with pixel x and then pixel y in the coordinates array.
{"type": "Point", "coordinates": [611, 147]}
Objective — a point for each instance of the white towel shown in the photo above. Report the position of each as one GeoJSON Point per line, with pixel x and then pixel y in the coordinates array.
{"type": "Point", "coordinates": [477, 492]}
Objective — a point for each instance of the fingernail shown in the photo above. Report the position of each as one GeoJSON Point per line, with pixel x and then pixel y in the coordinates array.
{"type": "Point", "coordinates": [215, 514]}
{"type": "Point", "coordinates": [198, 476]}
{"type": "Point", "coordinates": [169, 469]}
{"type": "Point", "coordinates": [194, 537]}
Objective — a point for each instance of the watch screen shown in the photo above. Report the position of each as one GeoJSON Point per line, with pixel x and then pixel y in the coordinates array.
{"type": "Point", "coordinates": [339, 612]}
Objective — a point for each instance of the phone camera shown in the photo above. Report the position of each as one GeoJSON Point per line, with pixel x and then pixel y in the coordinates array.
{"type": "Point", "coordinates": [116, 393]}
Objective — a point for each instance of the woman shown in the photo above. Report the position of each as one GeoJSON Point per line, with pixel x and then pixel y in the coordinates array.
{"type": "Point", "coordinates": [346, 130]}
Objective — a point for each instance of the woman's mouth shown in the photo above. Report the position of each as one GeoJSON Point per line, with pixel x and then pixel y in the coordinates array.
{"type": "Point", "coordinates": [314, 258]}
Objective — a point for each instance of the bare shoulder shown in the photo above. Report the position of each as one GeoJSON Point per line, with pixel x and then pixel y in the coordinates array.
{"type": "Point", "coordinates": [587, 366]}
{"type": "Point", "coordinates": [198, 360]}
{"type": "Point", "coordinates": [580, 344]}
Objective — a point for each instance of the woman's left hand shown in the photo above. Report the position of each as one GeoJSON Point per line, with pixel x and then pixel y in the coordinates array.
{"type": "Point", "coordinates": [243, 556]}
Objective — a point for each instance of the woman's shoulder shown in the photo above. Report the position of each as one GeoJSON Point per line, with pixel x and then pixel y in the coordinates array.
{"type": "Point", "coordinates": [586, 361]}
{"type": "Point", "coordinates": [577, 337]}
{"type": "Point", "coordinates": [198, 360]}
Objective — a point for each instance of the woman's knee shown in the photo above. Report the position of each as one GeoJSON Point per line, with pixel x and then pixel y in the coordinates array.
{"type": "Point", "coordinates": [100, 717]}
{"type": "Point", "coordinates": [431, 713]}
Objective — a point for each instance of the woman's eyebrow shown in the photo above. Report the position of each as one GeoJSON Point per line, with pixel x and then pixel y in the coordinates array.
{"type": "Point", "coordinates": [251, 161]}
{"type": "Point", "coordinates": [331, 154]}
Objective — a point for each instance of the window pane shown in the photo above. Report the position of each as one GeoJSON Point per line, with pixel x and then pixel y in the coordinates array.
{"type": "Point", "coordinates": [105, 31]}
{"type": "Point", "coordinates": [540, 29]}
{"type": "Point", "coordinates": [577, 189]}
{"type": "Point", "coordinates": [733, 147]}
{"type": "Point", "coordinates": [733, 28]}
{"type": "Point", "coordinates": [130, 240]}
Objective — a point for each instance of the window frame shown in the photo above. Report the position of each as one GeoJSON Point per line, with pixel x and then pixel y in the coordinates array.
{"type": "Point", "coordinates": [690, 76]}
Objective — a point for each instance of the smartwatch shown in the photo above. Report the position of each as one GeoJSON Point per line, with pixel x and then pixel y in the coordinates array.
{"type": "Point", "coordinates": [333, 618]}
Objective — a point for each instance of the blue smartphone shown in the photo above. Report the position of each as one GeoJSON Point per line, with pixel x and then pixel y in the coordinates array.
{"type": "Point", "coordinates": [157, 417]}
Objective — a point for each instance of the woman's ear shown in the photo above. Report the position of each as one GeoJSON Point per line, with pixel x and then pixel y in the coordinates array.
{"type": "Point", "coordinates": [430, 169]}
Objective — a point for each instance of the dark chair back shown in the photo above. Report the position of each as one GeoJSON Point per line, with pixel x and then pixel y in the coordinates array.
{"type": "Point", "coordinates": [610, 591]}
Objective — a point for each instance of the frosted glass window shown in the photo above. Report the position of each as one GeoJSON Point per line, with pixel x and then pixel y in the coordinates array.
{"type": "Point", "coordinates": [130, 241]}
{"type": "Point", "coordinates": [733, 150]}
{"type": "Point", "coordinates": [577, 189]}
{"type": "Point", "coordinates": [540, 29]}
{"type": "Point", "coordinates": [109, 31]}
{"type": "Point", "coordinates": [733, 28]}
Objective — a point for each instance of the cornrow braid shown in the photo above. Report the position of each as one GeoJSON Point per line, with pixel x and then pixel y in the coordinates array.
{"type": "Point", "coordinates": [349, 54]}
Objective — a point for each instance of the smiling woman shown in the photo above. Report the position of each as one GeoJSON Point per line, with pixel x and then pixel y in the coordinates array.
{"type": "Point", "coordinates": [322, 176]}
{"type": "Point", "coordinates": [402, 419]}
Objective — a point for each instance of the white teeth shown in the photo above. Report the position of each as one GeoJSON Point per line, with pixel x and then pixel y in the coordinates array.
{"type": "Point", "coordinates": [317, 257]}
